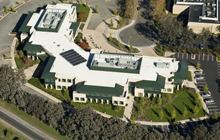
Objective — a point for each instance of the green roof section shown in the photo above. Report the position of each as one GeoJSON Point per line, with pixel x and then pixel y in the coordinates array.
{"type": "Point", "coordinates": [48, 76]}
{"type": "Point", "coordinates": [159, 83]}
{"type": "Point", "coordinates": [33, 47]}
{"type": "Point", "coordinates": [180, 75]}
{"type": "Point", "coordinates": [74, 26]}
{"type": "Point", "coordinates": [24, 27]}
{"type": "Point", "coordinates": [99, 92]}
{"type": "Point", "coordinates": [43, 57]}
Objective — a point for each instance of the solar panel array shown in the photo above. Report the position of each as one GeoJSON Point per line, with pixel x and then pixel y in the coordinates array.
{"type": "Point", "coordinates": [73, 57]}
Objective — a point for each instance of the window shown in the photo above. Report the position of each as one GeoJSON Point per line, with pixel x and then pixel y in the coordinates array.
{"type": "Point", "coordinates": [121, 103]}
{"type": "Point", "coordinates": [164, 90]}
{"type": "Point", "coordinates": [68, 80]}
{"type": "Point", "coordinates": [115, 102]}
{"type": "Point", "coordinates": [63, 80]}
{"type": "Point", "coordinates": [63, 87]}
{"type": "Point", "coordinates": [169, 89]}
{"type": "Point", "coordinates": [58, 87]}
{"type": "Point", "coordinates": [59, 80]}
{"type": "Point", "coordinates": [169, 79]}
{"type": "Point", "coordinates": [76, 99]}
{"type": "Point", "coordinates": [140, 94]}
{"type": "Point", "coordinates": [82, 99]}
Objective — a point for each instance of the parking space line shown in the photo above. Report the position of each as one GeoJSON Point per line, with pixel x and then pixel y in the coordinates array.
{"type": "Point", "coordinates": [212, 109]}
{"type": "Point", "coordinates": [203, 56]}
{"type": "Point", "coordinates": [187, 56]}
{"type": "Point", "coordinates": [182, 55]}
{"type": "Point", "coordinates": [198, 57]}
{"type": "Point", "coordinates": [207, 57]}
{"type": "Point", "coordinates": [173, 55]}
{"type": "Point", "coordinates": [178, 55]}
{"type": "Point", "coordinates": [212, 58]}
{"type": "Point", "coordinates": [218, 63]}
{"type": "Point", "coordinates": [162, 128]}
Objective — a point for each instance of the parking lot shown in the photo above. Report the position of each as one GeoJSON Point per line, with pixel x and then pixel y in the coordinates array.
{"type": "Point", "coordinates": [197, 57]}
{"type": "Point", "coordinates": [181, 128]}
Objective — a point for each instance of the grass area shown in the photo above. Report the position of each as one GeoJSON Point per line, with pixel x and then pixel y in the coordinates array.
{"type": "Point", "coordinates": [218, 58]}
{"type": "Point", "coordinates": [20, 64]}
{"type": "Point", "coordinates": [189, 76]}
{"type": "Point", "coordinates": [81, 26]}
{"type": "Point", "coordinates": [7, 134]}
{"type": "Point", "coordinates": [56, 93]}
{"type": "Point", "coordinates": [184, 99]}
{"type": "Point", "coordinates": [32, 120]}
{"type": "Point", "coordinates": [107, 108]}
{"type": "Point", "coordinates": [83, 8]}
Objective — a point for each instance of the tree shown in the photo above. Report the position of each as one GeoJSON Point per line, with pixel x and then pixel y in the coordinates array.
{"type": "Point", "coordinates": [111, 23]}
{"type": "Point", "coordinates": [204, 35]}
{"type": "Point", "coordinates": [119, 44]}
{"type": "Point", "coordinates": [173, 114]}
{"type": "Point", "coordinates": [130, 8]}
{"type": "Point", "coordinates": [131, 48]}
{"type": "Point", "coordinates": [198, 65]}
{"type": "Point", "coordinates": [121, 20]}
{"type": "Point", "coordinates": [26, 60]}
{"type": "Point", "coordinates": [87, 3]}
{"type": "Point", "coordinates": [218, 28]}
{"type": "Point", "coordinates": [196, 110]}
{"type": "Point", "coordinates": [187, 37]}
{"type": "Point", "coordinates": [21, 54]}
{"type": "Point", "coordinates": [6, 9]}
{"type": "Point", "coordinates": [205, 88]}
{"type": "Point", "coordinates": [161, 114]}
{"type": "Point", "coordinates": [115, 11]}
{"type": "Point", "coordinates": [142, 101]}
{"type": "Point", "coordinates": [57, 1]}
{"type": "Point", "coordinates": [185, 112]}
{"type": "Point", "coordinates": [140, 110]}
{"type": "Point", "coordinates": [13, 8]}
{"type": "Point", "coordinates": [82, 15]}
{"type": "Point", "coordinates": [84, 45]}
{"type": "Point", "coordinates": [96, 9]}
{"type": "Point", "coordinates": [18, 2]}
{"type": "Point", "coordinates": [168, 97]}
{"type": "Point", "coordinates": [110, 37]}
{"type": "Point", "coordinates": [159, 101]}
{"type": "Point", "coordinates": [214, 116]}
{"type": "Point", "coordinates": [158, 12]}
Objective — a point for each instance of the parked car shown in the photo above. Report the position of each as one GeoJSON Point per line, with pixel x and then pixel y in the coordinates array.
{"type": "Point", "coordinates": [205, 94]}
{"type": "Point", "coordinates": [198, 72]}
{"type": "Point", "coordinates": [199, 77]}
{"type": "Point", "coordinates": [201, 46]}
{"type": "Point", "coordinates": [208, 100]}
{"type": "Point", "coordinates": [200, 88]}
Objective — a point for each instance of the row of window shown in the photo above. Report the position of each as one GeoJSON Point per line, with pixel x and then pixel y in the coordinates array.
{"type": "Point", "coordinates": [64, 80]}
{"type": "Point", "coordinates": [120, 102]}
{"type": "Point", "coordinates": [81, 99]}
{"type": "Point", "coordinates": [61, 87]}
{"type": "Point", "coordinates": [167, 90]}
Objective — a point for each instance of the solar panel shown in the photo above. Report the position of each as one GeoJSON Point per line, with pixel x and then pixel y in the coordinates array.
{"type": "Point", "coordinates": [73, 57]}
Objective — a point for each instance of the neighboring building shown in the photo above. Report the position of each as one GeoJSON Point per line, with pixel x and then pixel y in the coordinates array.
{"type": "Point", "coordinates": [95, 75]}
{"type": "Point", "coordinates": [201, 13]}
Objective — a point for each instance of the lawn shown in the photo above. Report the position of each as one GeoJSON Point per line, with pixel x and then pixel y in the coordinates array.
{"type": "Point", "coordinates": [8, 134]}
{"type": "Point", "coordinates": [184, 99]}
{"type": "Point", "coordinates": [20, 64]}
{"type": "Point", "coordinates": [108, 108]}
{"type": "Point", "coordinates": [83, 8]}
{"type": "Point", "coordinates": [55, 93]}
{"type": "Point", "coordinates": [32, 120]}
{"type": "Point", "coordinates": [81, 26]}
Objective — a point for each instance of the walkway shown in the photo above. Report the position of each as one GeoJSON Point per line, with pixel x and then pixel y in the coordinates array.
{"type": "Point", "coordinates": [128, 108]}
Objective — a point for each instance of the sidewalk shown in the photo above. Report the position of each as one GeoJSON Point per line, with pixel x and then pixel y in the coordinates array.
{"type": "Point", "coordinates": [128, 108]}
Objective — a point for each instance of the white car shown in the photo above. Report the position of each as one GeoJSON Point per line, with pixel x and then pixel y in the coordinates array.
{"type": "Point", "coordinates": [208, 100]}
{"type": "Point", "coordinates": [199, 77]}
{"type": "Point", "coordinates": [205, 94]}
{"type": "Point", "coordinates": [198, 72]}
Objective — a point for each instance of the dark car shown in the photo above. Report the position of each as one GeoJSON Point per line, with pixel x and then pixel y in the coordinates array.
{"type": "Point", "coordinates": [201, 46]}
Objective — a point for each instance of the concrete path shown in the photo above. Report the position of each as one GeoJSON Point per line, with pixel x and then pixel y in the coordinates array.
{"type": "Point", "coordinates": [128, 108]}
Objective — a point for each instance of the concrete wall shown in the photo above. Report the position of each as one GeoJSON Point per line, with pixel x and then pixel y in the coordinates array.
{"type": "Point", "coordinates": [168, 86]}
{"type": "Point", "coordinates": [197, 26]}
{"type": "Point", "coordinates": [118, 99]}
{"type": "Point", "coordinates": [65, 84]}
{"type": "Point", "coordinates": [137, 91]}
{"type": "Point", "coordinates": [79, 96]}
{"type": "Point", "coordinates": [178, 9]}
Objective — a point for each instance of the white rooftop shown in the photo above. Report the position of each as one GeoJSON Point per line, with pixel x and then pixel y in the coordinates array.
{"type": "Point", "coordinates": [57, 43]}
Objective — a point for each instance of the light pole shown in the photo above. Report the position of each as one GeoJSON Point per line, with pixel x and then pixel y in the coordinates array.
{"type": "Point", "coordinates": [129, 40]}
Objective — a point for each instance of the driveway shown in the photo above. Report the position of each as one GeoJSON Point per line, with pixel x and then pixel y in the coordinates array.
{"type": "Point", "coordinates": [105, 12]}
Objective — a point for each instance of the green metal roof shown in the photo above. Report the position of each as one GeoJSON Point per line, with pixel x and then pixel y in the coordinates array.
{"type": "Point", "coordinates": [43, 57]}
{"type": "Point", "coordinates": [99, 92]}
{"type": "Point", "coordinates": [46, 73]}
{"type": "Point", "coordinates": [159, 83]}
{"type": "Point", "coordinates": [182, 71]}
{"type": "Point", "coordinates": [24, 27]}
{"type": "Point", "coordinates": [74, 26]}
{"type": "Point", "coordinates": [33, 47]}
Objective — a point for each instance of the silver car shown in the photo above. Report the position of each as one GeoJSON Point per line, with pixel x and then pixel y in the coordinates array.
{"type": "Point", "coordinates": [198, 72]}
{"type": "Point", "coordinates": [199, 77]}
{"type": "Point", "coordinates": [205, 94]}
{"type": "Point", "coordinates": [208, 100]}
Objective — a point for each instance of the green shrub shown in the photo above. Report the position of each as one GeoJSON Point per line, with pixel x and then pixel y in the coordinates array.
{"type": "Point", "coordinates": [5, 55]}
{"type": "Point", "coordinates": [38, 61]}
{"type": "Point", "coordinates": [81, 26]}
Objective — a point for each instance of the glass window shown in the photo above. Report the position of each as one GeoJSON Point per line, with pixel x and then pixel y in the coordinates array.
{"type": "Point", "coordinates": [59, 79]}
{"type": "Point", "coordinates": [63, 80]}
{"type": "Point", "coordinates": [169, 79]}
{"type": "Point", "coordinates": [140, 94]}
{"type": "Point", "coordinates": [58, 87]}
{"type": "Point", "coordinates": [115, 102]}
{"type": "Point", "coordinates": [164, 89]}
{"type": "Point", "coordinates": [63, 87]}
{"type": "Point", "coordinates": [76, 99]}
{"type": "Point", "coordinates": [169, 89]}
{"type": "Point", "coordinates": [82, 99]}
{"type": "Point", "coordinates": [68, 80]}
{"type": "Point", "coordinates": [121, 103]}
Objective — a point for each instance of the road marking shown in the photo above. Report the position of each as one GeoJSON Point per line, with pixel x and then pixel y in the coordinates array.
{"type": "Point", "coordinates": [212, 106]}
{"type": "Point", "coordinates": [213, 109]}
{"type": "Point", "coordinates": [212, 58]}
{"type": "Point", "coordinates": [187, 56]}
{"type": "Point", "coordinates": [182, 55]}
{"type": "Point", "coordinates": [203, 56]}
{"type": "Point", "coordinates": [218, 63]}
{"type": "Point", "coordinates": [207, 58]}
{"type": "Point", "coordinates": [177, 55]}
{"type": "Point", "coordinates": [198, 57]}
{"type": "Point", "coordinates": [168, 130]}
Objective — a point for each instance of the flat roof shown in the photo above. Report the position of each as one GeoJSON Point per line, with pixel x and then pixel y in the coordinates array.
{"type": "Point", "coordinates": [57, 43]}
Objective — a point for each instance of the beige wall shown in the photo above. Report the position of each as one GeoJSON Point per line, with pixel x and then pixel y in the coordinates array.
{"type": "Point", "coordinates": [138, 90]}
{"type": "Point", "coordinates": [79, 95]}
{"type": "Point", "coordinates": [197, 26]}
{"type": "Point", "coordinates": [177, 9]}
{"type": "Point", "coordinates": [118, 99]}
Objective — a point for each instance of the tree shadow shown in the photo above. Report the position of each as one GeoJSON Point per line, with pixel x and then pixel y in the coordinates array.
{"type": "Point", "coordinates": [166, 111]}
{"type": "Point", "coordinates": [188, 108]}
{"type": "Point", "coordinates": [111, 11]}
{"type": "Point", "coordinates": [155, 112]}
{"type": "Point", "coordinates": [192, 101]}
{"type": "Point", "coordinates": [191, 96]}
{"type": "Point", "coordinates": [106, 23]}
{"type": "Point", "coordinates": [179, 111]}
